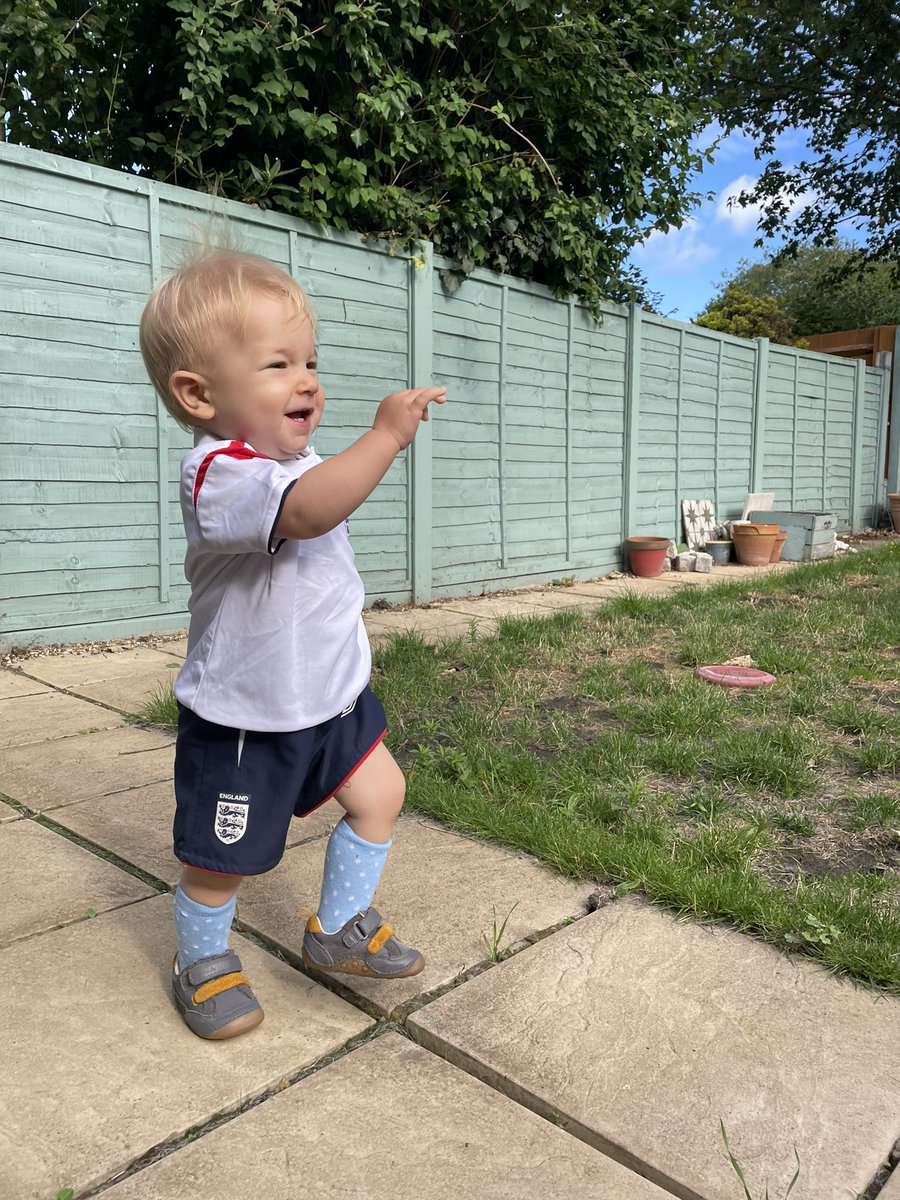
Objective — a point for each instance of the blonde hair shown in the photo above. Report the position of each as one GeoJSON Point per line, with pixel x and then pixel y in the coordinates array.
{"type": "Point", "coordinates": [203, 303]}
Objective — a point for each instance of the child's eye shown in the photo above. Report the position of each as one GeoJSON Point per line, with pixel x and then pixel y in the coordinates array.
{"type": "Point", "coordinates": [312, 366]}
{"type": "Point", "coordinates": [279, 366]}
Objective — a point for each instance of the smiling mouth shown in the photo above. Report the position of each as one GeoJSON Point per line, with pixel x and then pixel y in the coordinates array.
{"type": "Point", "coordinates": [300, 415]}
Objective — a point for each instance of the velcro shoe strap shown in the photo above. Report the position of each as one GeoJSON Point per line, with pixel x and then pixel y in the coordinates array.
{"type": "Point", "coordinates": [211, 968]}
{"type": "Point", "coordinates": [379, 939]}
{"type": "Point", "coordinates": [216, 986]}
{"type": "Point", "coordinates": [362, 928]}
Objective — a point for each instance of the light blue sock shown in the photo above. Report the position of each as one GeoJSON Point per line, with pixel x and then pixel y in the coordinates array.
{"type": "Point", "coordinates": [202, 932]}
{"type": "Point", "coordinates": [353, 868]}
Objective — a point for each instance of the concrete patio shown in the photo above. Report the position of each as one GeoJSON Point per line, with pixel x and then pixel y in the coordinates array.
{"type": "Point", "coordinates": [596, 1062]}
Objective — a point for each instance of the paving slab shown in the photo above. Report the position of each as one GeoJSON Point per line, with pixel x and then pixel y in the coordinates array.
{"type": "Point", "coordinates": [431, 624]}
{"type": "Point", "coordinates": [95, 764]}
{"type": "Point", "coordinates": [49, 881]}
{"type": "Point", "coordinates": [13, 684]}
{"type": "Point", "coordinates": [643, 1032]}
{"type": "Point", "coordinates": [480, 608]}
{"type": "Point", "coordinates": [440, 890]}
{"type": "Point", "coordinates": [109, 1070]}
{"type": "Point", "coordinates": [177, 646]}
{"type": "Point", "coordinates": [420, 1128]}
{"type": "Point", "coordinates": [891, 1190]}
{"type": "Point", "coordinates": [46, 716]}
{"type": "Point", "coordinates": [77, 669]}
{"type": "Point", "coordinates": [558, 598]}
{"type": "Point", "coordinates": [137, 826]}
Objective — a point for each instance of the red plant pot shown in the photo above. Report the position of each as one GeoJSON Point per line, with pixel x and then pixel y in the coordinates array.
{"type": "Point", "coordinates": [646, 555]}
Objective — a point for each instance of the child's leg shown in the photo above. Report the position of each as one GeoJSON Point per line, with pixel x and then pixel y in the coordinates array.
{"type": "Point", "coordinates": [357, 849]}
{"type": "Point", "coordinates": [348, 934]}
{"type": "Point", "coordinates": [211, 991]}
{"type": "Point", "coordinates": [204, 910]}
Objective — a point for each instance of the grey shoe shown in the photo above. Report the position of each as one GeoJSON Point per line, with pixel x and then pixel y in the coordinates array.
{"type": "Point", "coordinates": [214, 997]}
{"type": "Point", "coordinates": [364, 946]}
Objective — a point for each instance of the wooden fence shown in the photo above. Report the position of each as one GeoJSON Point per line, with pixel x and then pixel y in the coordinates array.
{"type": "Point", "coordinates": [560, 436]}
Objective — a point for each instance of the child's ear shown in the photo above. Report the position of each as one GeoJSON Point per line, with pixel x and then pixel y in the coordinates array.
{"type": "Point", "coordinates": [190, 390]}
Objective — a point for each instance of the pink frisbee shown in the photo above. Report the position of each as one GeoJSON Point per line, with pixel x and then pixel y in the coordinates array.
{"type": "Point", "coordinates": [736, 676]}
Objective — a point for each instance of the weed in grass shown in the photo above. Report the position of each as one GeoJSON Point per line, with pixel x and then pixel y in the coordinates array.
{"type": "Point", "coordinates": [160, 708]}
{"type": "Point", "coordinates": [858, 719]}
{"type": "Point", "coordinates": [736, 1167]}
{"type": "Point", "coordinates": [718, 847]}
{"type": "Point", "coordinates": [814, 933]}
{"type": "Point", "coordinates": [473, 624]}
{"type": "Point", "coordinates": [706, 806]}
{"type": "Point", "coordinates": [877, 808]}
{"type": "Point", "coordinates": [791, 821]}
{"type": "Point", "coordinates": [878, 757]}
{"type": "Point", "coordinates": [492, 941]}
{"type": "Point", "coordinates": [447, 761]}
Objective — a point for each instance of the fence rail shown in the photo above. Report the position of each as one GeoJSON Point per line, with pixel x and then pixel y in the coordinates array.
{"type": "Point", "coordinates": [560, 438]}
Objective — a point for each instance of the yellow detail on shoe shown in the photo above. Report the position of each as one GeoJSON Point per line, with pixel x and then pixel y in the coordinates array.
{"type": "Point", "coordinates": [379, 939]}
{"type": "Point", "coordinates": [314, 925]}
{"type": "Point", "coordinates": [216, 986]}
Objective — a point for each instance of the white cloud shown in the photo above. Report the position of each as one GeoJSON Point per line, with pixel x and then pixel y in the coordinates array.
{"type": "Point", "coordinates": [745, 220]}
{"type": "Point", "coordinates": [676, 251]}
{"type": "Point", "coordinates": [728, 147]}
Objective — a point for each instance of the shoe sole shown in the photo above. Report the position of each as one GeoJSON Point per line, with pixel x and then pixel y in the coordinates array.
{"type": "Point", "coordinates": [234, 1028]}
{"type": "Point", "coordinates": [355, 967]}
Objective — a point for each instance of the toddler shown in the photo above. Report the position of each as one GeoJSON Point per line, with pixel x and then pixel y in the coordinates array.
{"type": "Point", "coordinates": [275, 715]}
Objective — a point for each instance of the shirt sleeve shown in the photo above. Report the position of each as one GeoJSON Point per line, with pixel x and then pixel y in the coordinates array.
{"type": "Point", "coordinates": [236, 500]}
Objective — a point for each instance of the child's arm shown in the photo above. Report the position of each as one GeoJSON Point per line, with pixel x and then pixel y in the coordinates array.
{"type": "Point", "coordinates": [326, 495]}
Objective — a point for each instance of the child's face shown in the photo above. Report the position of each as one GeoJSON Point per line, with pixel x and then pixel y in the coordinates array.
{"type": "Point", "coordinates": [264, 388]}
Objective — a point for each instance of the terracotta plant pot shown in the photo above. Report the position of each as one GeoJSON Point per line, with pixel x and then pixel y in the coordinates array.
{"type": "Point", "coordinates": [894, 505]}
{"type": "Point", "coordinates": [753, 544]}
{"type": "Point", "coordinates": [646, 555]}
{"type": "Point", "coordinates": [780, 539]}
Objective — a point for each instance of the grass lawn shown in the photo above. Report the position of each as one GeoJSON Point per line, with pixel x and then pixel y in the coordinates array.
{"type": "Point", "coordinates": [587, 740]}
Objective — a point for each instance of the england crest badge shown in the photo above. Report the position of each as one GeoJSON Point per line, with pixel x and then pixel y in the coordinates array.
{"type": "Point", "coordinates": [231, 821]}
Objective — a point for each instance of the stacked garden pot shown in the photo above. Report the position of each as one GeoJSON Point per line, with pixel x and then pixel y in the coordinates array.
{"type": "Point", "coordinates": [754, 544]}
{"type": "Point", "coordinates": [780, 538]}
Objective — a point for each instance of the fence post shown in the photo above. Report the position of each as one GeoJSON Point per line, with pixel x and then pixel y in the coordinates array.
{"type": "Point", "coordinates": [857, 446]}
{"type": "Point", "coordinates": [893, 458]}
{"type": "Point", "coordinates": [758, 436]}
{"type": "Point", "coordinates": [885, 360]}
{"type": "Point", "coordinates": [632, 418]}
{"type": "Point", "coordinates": [421, 367]}
{"type": "Point", "coordinates": [162, 416]}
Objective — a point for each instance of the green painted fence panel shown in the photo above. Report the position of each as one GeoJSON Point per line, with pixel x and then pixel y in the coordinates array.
{"type": "Point", "coordinates": [561, 437]}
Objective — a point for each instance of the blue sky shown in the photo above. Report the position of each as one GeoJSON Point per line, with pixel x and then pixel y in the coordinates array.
{"type": "Point", "coordinates": [686, 265]}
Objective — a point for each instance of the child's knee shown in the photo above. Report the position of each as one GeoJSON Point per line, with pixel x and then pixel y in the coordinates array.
{"type": "Point", "coordinates": [209, 887]}
{"type": "Point", "coordinates": [397, 793]}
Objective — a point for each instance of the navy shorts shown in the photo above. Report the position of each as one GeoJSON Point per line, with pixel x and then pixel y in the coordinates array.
{"type": "Point", "coordinates": [236, 790]}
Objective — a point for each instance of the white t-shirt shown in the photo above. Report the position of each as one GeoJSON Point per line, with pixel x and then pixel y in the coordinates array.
{"type": "Point", "coordinates": [277, 640]}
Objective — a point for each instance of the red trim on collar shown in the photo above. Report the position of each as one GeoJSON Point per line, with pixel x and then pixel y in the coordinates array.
{"type": "Point", "coordinates": [232, 450]}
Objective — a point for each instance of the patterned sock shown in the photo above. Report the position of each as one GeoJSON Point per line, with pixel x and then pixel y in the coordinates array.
{"type": "Point", "coordinates": [202, 932]}
{"type": "Point", "coordinates": [353, 868]}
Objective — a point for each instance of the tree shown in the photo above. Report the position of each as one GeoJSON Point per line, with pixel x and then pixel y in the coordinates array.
{"type": "Point", "coordinates": [831, 69]}
{"type": "Point", "coordinates": [543, 139]}
{"type": "Point", "coordinates": [816, 293]}
{"type": "Point", "coordinates": [738, 312]}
